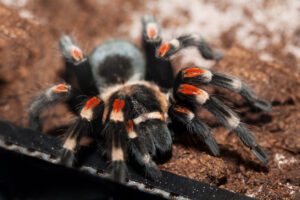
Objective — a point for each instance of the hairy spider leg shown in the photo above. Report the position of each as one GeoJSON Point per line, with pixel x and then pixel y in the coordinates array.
{"type": "Point", "coordinates": [83, 131]}
{"type": "Point", "coordinates": [195, 97]}
{"type": "Point", "coordinates": [169, 48]}
{"type": "Point", "coordinates": [157, 70]}
{"type": "Point", "coordinates": [196, 129]}
{"type": "Point", "coordinates": [199, 76]}
{"type": "Point", "coordinates": [54, 94]}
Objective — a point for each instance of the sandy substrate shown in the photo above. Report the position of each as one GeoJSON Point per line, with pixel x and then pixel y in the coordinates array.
{"type": "Point", "coordinates": [260, 48]}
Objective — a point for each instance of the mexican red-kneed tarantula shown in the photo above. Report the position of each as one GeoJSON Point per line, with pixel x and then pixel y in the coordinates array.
{"type": "Point", "coordinates": [130, 107]}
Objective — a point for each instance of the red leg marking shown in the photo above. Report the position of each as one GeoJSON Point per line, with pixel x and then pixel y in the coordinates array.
{"type": "Point", "coordinates": [118, 105]}
{"type": "Point", "coordinates": [130, 126]}
{"type": "Point", "coordinates": [181, 109]}
{"type": "Point", "coordinates": [189, 89]}
{"type": "Point", "coordinates": [91, 103]}
{"type": "Point", "coordinates": [61, 88]}
{"type": "Point", "coordinates": [192, 72]}
{"type": "Point", "coordinates": [163, 49]}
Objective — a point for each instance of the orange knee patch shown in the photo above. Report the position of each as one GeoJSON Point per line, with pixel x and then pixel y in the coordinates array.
{"type": "Point", "coordinates": [181, 109]}
{"type": "Point", "coordinates": [130, 126]}
{"type": "Point", "coordinates": [61, 88]}
{"type": "Point", "coordinates": [193, 72]}
{"type": "Point", "coordinates": [118, 105]}
{"type": "Point", "coordinates": [189, 89]}
{"type": "Point", "coordinates": [163, 49]}
{"type": "Point", "coordinates": [91, 103]}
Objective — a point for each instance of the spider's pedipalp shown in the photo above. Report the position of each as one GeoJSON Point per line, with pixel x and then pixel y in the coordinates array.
{"type": "Point", "coordinates": [54, 94]}
{"type": "Point", "coordinates": [195, 97]}
{"type": "Point", "coordinates": [197, 130]}
{"type": "Point", "coordinates": [77, 67]}
{"type": "Point", "coordinates": [82, 131]}
{"type": "Point", "coordinates": [168, 49]}
{"type": "Point", "coordinates": [198, 76]}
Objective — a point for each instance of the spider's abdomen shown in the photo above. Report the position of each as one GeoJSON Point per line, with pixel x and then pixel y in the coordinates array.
{"type": "Point", "coordinates": [117, 62]}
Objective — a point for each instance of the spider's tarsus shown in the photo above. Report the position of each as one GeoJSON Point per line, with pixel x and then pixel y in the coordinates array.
{"type": "Point", "coordinates": [249, 95]}
{"type": "Point", "coordinates": [141, 156]}
{"type": "Point", "coordinates": [263, 105]}
{"type": "Point", "coordinates": [67, 158]}
{"type": "Point", "coordinates": [212, 145]}
{"type": "Point", "coordinates": [249, 140]}
{"type": "Point", "coordinates": [260, 154]}
{"type": "Point", "coordinates": [118, 171]}
{"type": "Point", "coordinates": [200, 130]}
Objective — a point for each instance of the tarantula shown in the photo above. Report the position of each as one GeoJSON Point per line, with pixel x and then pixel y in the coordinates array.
{"type": "Point", "coordinates": [130, 105]}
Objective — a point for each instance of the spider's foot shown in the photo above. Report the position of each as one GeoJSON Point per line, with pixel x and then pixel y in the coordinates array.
{"type": "Point", "coordinates": [67, 158]}
{"type": "Point", "coordinates": [118, 171]}
{"type": "Point", "coordinates": [140, 156]}
{"type": "Point", "coordinates": [260, 153]}
{"type": "Point", "coordinates": [212, 145]}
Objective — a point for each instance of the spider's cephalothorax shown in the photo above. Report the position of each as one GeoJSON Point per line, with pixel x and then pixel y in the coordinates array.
{"type": "Point", "coordinates": [129, 105]}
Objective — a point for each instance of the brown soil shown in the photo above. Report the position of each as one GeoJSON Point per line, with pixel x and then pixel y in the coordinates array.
{"type": "Point", "coordinates": [30, 61]}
